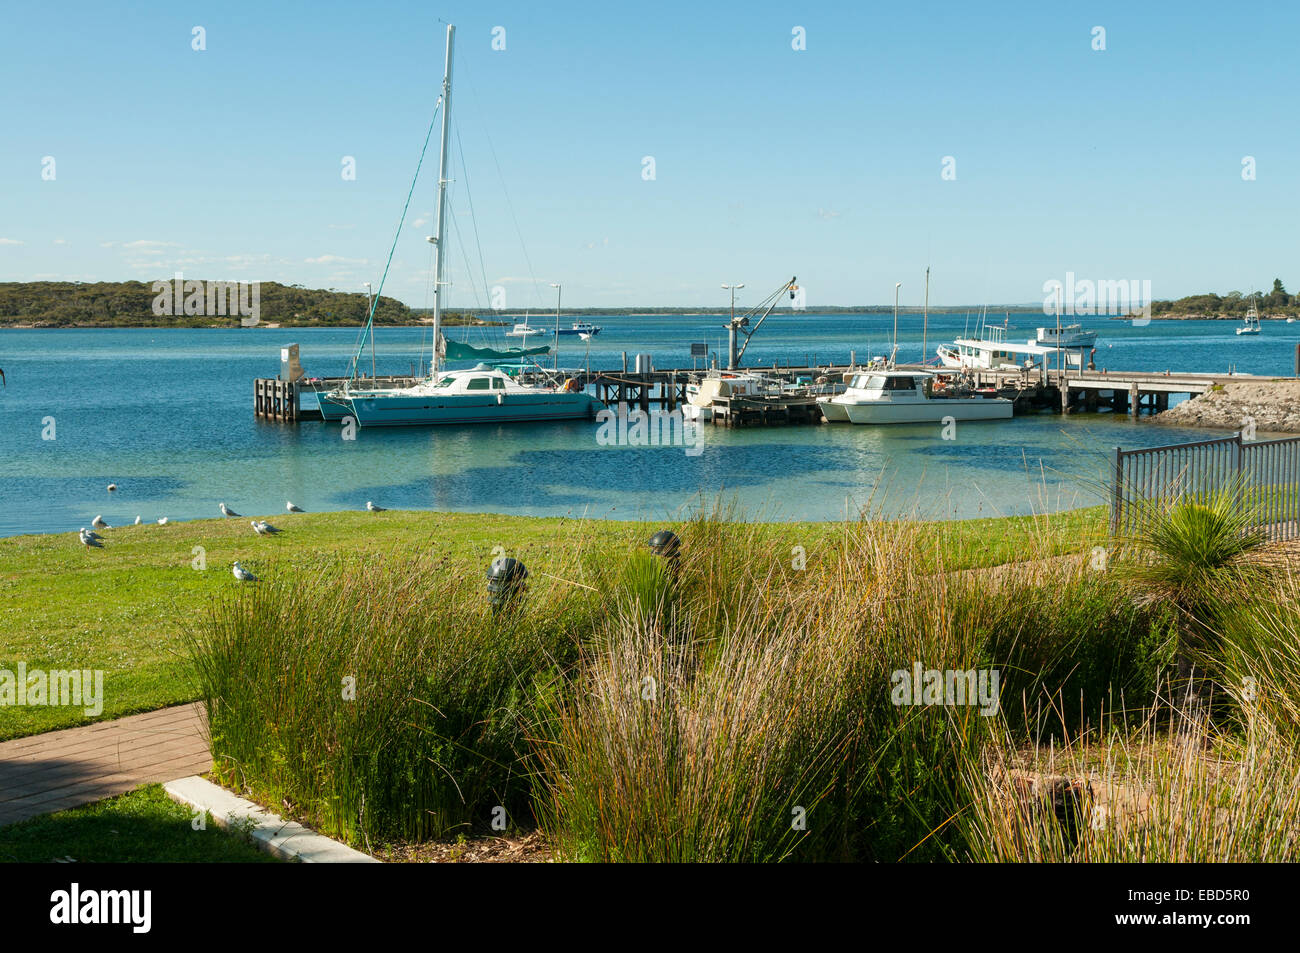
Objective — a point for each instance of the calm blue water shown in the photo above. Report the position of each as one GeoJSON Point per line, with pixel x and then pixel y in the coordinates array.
{"type": "Point", "coordinates": [167, 416]}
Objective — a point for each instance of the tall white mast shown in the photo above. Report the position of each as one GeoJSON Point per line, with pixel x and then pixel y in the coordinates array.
{"type": "Point", "coordinates": [442, 202]}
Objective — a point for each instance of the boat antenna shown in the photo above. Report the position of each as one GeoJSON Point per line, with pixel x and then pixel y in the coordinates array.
{"type": "Point", "coordinates": [437, 238]}
{"type": "Point", "coordinates": [925, 321]}
{"type": "Point", "coordinates": [893, 353]}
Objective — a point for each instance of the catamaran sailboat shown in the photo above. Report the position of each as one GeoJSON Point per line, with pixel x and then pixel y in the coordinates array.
{"type": "Point", "coordinates": [482, 395]}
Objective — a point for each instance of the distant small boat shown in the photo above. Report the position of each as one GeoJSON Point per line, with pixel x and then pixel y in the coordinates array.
{"type": "Point", "coordinates": [584, 330]}
{"type": "Point", "coordinates": [1250, 323]}
{"type": "Point", "coordinates": [524, 330]}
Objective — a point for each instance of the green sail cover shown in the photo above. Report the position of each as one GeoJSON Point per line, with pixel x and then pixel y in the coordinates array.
{"type": "Point", "coordinates": [459, 351]}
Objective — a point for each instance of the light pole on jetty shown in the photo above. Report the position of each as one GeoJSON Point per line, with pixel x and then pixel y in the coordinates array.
{"type": "Point", "coordinates": [731, 327]}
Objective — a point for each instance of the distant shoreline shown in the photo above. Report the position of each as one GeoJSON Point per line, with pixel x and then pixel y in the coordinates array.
{"type": "Point", "coordinates": [283, 324]}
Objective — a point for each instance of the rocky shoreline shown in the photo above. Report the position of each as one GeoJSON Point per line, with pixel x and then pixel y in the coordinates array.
{"type": "Point", "coordinates": [1268, 407]}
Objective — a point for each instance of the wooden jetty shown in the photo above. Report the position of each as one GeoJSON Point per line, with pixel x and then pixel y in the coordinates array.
{"type": "Point", "coordinates": [1064, 391]}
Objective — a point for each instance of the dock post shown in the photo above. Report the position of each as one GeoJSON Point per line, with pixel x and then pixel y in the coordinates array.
{"type": "Point", "coordinates": [1064, 389]}
{"type": "Point", "coordinates": [625, 363]}
{"type": "Point", "coordinates": [1134, 400]}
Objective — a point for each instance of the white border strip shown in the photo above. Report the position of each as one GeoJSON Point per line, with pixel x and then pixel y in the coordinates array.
{"type": "Point", "coordinates": [287, 840]}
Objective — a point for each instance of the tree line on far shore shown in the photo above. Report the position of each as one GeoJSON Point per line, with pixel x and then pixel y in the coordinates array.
{"type": "Point", "coordinates": [69, 304]}
{"type": "Point", "coordinates": [1234, 304]}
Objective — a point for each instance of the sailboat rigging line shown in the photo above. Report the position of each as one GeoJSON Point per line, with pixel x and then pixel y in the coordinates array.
{"type": "Point", "coordinates": [374, 304]}
{"type": "Point", "coordinates": [473, 219]}
{"type": "Point", "coordinates": [505, 192]}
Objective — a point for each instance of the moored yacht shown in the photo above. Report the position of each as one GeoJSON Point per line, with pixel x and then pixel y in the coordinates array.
{"type": "Point", "coordinates": [484, 394]}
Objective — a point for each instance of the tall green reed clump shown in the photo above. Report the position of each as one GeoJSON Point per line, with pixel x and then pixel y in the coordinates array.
{"type": "Point", "coordinates": [381, 699]}
{"type": "Point", "coordinates": [755, 718]}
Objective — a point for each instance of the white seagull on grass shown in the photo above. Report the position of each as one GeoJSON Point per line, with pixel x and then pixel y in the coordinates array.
{"type": "Point", "coordinates": [263, 528]}
{"type": "Point", "coordinates": [293, 507]}
{"type": "Point", "coordinates": [242, 574]}
{"type": "Point", "coordinates": [162, 521]}
{"type": "Point", "coordinates": [372, 508]}
{"type": "Point", "coordinates": [225, 510]}
{"type": "Point", "coordinates": [137, 521]}
{"type": "Point", "coordinates": [90, 539]}
{"type": "Point", "coordinates": [98, 523]}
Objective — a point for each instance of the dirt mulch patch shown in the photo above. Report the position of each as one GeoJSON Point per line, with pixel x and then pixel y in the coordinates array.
{"type": "Point", "coordinates": [528, 848]}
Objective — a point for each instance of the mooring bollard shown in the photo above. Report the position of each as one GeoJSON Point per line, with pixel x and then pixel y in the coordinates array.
{"type": "Point", "coordinates": [506, 578]}
{"type": "Point", "coordinates": [666, 545]}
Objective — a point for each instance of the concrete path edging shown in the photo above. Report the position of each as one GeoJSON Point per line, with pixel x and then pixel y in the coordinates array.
{"type": "Point", "coordinates": [287, 840]}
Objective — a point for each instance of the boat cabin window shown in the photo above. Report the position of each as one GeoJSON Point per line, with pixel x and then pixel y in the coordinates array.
{"type": "Point", "coordinates": [479, 383]}
{"type": "Point", "coordinates": [446, 382]}
{"type": "Point", "coordinates": [498, 383]}
{"type": "Point", "coordinates": [900, 383]}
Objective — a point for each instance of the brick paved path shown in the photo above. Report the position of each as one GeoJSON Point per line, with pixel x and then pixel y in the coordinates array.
{"type": "Point", "coordinates": [63, 769]}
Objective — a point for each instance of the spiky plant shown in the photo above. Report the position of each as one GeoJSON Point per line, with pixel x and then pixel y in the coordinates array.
{"type": "Point", "coordinates": [1193, 556]}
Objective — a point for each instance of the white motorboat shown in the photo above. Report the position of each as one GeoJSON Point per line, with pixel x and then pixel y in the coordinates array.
{"type": "Point", "coordinates": [524, 330]}
{"type": "Point", "coordinates": [909, 397]}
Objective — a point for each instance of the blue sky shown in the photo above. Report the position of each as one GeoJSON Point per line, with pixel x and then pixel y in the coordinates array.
{"type": "Point", "coordinates": [824, 162]}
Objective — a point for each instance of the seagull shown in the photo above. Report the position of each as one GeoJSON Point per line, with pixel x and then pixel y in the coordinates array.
{"type": "Point", "coordinates": [162, 521]}
{"type": "Point", "coordinates": [242, 574]}
{"type": "Point", "coordinates": [91, 533]}
{"type": "Point", "coordinates": [226, 511]}
{"type": "Point", "coordinates": [268, 529]}
{"type": "Point", "coordinates": [374, 509]}
{"type": "Point", "coordinates": [137, 521]}
{"type": "Point", "coordinates": [88, 540]}
{"type": "Point", "coordinates": [257, 527]}
{"type": "Point", "coordinates": [292, 508]}
{"type": "Point", "coordinates": [98, 523]}
{"type": "Point", "coordinates": [112, 487]}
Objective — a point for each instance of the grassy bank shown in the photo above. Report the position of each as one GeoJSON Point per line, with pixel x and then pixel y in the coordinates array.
{"type": "Point", "coordinates": [736, 707]}
{"type": "Point", "coordinates": [126, 608]}
{"type": "Point", "coordinates": [144, 826]}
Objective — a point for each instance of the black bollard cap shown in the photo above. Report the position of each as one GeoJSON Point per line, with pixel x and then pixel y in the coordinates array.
{"type": "Point", "coordinates": [665, 543]}
{"type": "Point", "coordinates": [505, 576]}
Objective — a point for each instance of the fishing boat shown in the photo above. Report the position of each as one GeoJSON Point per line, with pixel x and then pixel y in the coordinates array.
{"type": "Point", "coordinates": [1071, 335]}
{"type": "Point", "coordinates": [702, 392]}
{"type": "Point", "coordinates": [991, 351]}
{"type": "Point", "coordinates": [1250, 323]}
{"type": "Point", "coordinates": [909, 397]}
{"type": "Point", "coordinates": [484, 394]}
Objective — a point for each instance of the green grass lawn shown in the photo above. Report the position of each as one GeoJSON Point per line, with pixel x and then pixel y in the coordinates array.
{"type": "Point", "coordinates": [125, 608]}
{"type": "Point", "coordinates": [144, 826]}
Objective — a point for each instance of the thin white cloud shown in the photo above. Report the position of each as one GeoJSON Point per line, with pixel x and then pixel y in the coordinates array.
{"type": "Point", "coordinates": [336, 260]}
{"type": "Point", "coordinates": [11, 241]}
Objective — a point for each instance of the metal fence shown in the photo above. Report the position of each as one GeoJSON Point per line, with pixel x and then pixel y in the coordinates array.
{"type": "Point", "coordinates": [1266, 473]}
